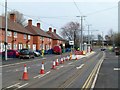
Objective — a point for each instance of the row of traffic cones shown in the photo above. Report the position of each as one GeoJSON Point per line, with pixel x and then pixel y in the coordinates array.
{"type": "Point", "coordinates": [42, 71]}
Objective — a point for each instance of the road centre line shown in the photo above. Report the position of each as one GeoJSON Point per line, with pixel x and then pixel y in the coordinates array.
{"type": "Point", "coordinates": [21, 63]}
{"type": "Point", "coordinates": [41, 75]}
{"type": "Point", "coordinates": [80, 66]}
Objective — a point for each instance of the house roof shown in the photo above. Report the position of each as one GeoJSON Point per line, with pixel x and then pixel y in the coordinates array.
{"type": "Point", "coordinates": [37, 31]}
{"type": "Point", "coordinates": [55, 36]}
{"type": "Point", "coordinates": [13, 26]}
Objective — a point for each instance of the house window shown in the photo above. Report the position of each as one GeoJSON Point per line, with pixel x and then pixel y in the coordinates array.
{"type": "Point", "coordinates": [28, 46]}
{"type": "Point", "coordinates": [9, 33]}
{"type": "Point", "coordinates": [50, 40]}
{"type": "Point", "coordinates": [15, 34]}
{"type": "Point", "coordinates": [25, 36]}
{"type": "Point", "coordinates": [15, 47]}
{"type": "Point", "coordinates": [9, 46]}
{"type": "Point", "coordinates": [20, 46]}
{"type": "Point", "coordinates": [28, 37]}
{"type": "Point", "coordinates": [24, 45]}
{"type": "Point", "coordinates": [42, 38]}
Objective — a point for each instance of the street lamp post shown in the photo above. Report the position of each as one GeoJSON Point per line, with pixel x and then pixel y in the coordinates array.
{"type": "Point", "coordinates": [81, 44]}
{"type": "Point", "coordinates": [5, 30]}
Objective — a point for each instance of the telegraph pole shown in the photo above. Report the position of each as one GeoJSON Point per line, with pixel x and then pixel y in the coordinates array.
{"type": "Point", "coordinates": [5, 30]}
{"type": "Point", "coordinates": [81, 44]}
{"type": "Point", "coordinates": [102, 40]}
{"type": "Point", "coordinates": [89, 34]}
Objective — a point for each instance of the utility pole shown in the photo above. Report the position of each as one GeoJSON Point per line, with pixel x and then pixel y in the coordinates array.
{"type": "Point", "coordinates": [5, 30]}
{"type": "Point", "coordinates": [89, 34]}
{"type": "Point", "coordinates": [102, 40]}
{"type": "Point", "coordinates": [81, 44]}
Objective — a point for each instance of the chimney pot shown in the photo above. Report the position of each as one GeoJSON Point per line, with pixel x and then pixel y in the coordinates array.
{"type": "Point", "coordinates": [38, 25]}
{"type": "Point", "coordinates": [29, 22]}
{"type": "Point", "coordinates": [54, 30]}
{"type": "Point", "coordinates": [12, 17]}
{"type": "Point", "coordinates": [50, 29]}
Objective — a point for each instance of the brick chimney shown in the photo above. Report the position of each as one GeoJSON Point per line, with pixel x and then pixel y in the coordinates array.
{"type": "Point", "coordinates": [29, 22]}
{"type": "Point", "coordinates": [54, 30]}
{"type": "Point", "coordinates": [38, 25]}
{"type": "Point", "coordinates": [13, 17]}
{"type": "Point", "coordinates": [50, 29]}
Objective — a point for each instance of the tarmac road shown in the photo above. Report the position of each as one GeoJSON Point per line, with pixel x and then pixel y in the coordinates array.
{"type": "Point", "coordinates": [71, 74]}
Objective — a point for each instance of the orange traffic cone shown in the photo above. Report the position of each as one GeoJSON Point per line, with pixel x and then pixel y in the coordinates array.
{"type": "Point", "coordinates": [25, 74]}
{"type": "Point", "coordinates": [53, 66]}
{"type": "Point", "coordinates": [66, 58]}
{"type": "Point", "coordinates": [42, 71]}
{"type": "Point", "coordinates": [61, 61]}
{"type": "Point", "coordinates": [57, 63]}
{"type": "Point", "coordinates": [76, 58]}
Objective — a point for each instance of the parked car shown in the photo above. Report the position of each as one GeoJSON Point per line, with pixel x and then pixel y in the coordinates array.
{"type": "Point", "coordinates": [57, 49]}
{"type": "Point", "coordinates": [117, 50]}
{"type": "Point", "coordinates": [37, 54]}
{"type": "Point", "coordinates": [11, 54]}
{"type": "Point", "coordinates": [26, 53]}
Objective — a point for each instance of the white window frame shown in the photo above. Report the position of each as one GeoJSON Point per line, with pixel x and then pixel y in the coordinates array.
{"type": "Point", "coordinates": [24, 45]}
{"type": "Point", "coordinates": [25, 36]}
{"type": "Point", "coordinates": [29, 37]}
{"type": "Point", "coordinates": [15, 34]}
{"type": "Point", "coordinates": [9, 33]}
{"type": "Point", "coordinates": [29, 46]}
{"type": "Point", "coordinates": [15, 46]}
{"type": "Point", "coordinates": [9, 46]}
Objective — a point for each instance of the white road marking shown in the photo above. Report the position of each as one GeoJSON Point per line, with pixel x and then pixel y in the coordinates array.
{"type": "Point", "coordinates": [116, 69]}
{"type": "Point", "coordinates": [13, 85]}
{"type": "Point", "coordinates": [70, 63]}
{"type": "Point", "coordinates": [41, 75]}
{"type": "Point", "coordinates": [60, 67]}
{"type": "Point", "coordinates": [23, 85]}
{"type": "Point", "coordinates": [9, 71]}
{"type": "Point", "coordinates": [80, 66]}
{"type": "Point", "coordinates": [96, 76]}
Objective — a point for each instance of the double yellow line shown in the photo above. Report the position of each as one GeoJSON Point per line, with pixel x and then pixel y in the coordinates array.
{"type": "Point", "coordinates": [90, 79]}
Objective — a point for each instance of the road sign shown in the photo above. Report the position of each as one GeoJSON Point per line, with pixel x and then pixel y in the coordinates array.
{"type": "Point", "coordinates": [71, 42]}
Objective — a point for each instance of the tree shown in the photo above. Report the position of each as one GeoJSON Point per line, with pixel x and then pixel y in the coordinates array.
{"type": "Point", "coordinates": [71, 31]}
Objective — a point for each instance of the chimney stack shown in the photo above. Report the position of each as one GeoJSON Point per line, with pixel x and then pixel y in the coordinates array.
{"type": "Point", "coordinates": [12, 17]}
{"type": "Point", "coordinates": [29, 22]}
{"type": "Point", "coordinates": [54, 30]}
{"type": "Point", "coordinates": [50, 29]}
{"type": "Point", "coordinates": [38, 25]}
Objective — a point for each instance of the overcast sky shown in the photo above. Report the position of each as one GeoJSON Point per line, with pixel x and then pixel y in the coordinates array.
{"type": "Point", "coordinates": [103, 16]}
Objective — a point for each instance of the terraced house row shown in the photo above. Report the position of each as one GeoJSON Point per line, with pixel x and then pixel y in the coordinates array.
{"type": "Point", "coordinates": [32, 37]}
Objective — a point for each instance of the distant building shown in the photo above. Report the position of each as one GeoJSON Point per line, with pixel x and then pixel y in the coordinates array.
{"type": "Point", "coordinates": [56, 39]}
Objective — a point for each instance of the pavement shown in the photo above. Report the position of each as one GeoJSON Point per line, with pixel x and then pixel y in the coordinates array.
{"type": "Point", "coordinates": [108, 75]}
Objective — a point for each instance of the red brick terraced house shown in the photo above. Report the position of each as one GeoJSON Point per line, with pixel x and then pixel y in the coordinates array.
{"type": "Point", "coordinates": [18, 36]}
{"type": "Point", "coordinates": [56, 39]}
{"type": "Point", "coordinates": [41, 40]}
